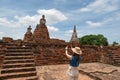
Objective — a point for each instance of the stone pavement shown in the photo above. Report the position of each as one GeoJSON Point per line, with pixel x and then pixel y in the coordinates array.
{"type": "Point", "coordinates": [99, 71]}
{"type": "Point", "coordinates": [56, 72]}
{"type": "Point", "coordinates": [88, 71]}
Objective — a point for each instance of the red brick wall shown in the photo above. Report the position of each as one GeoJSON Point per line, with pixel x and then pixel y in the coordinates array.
{"type": "Point", "coordinates": [47, 56]}
{"type": "Point", "coordinates": [57, 55]}
{"type": "Point", "coordinates": [7, 39]}
{"type": "Point", "coordinates": [2, 52]}
{"type": "Point", "coordinates": [90, 54]}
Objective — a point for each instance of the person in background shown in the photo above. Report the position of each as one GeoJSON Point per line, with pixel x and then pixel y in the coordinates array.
{"type": "Point", "coordinates": [75, 59]}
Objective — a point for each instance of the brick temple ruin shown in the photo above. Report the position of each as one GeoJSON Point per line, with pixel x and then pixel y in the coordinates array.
{"type": "Point", "coordinates": [38, 48]}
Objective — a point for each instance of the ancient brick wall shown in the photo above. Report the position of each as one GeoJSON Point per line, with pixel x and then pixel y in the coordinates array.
{"type": "Point", "coordinates": [2, 52]}
{"type": "Point", "coordinates": [50, 55]}
{"type": "Point", "coordinates": [90, 54]}
{"type": "Point", "coordinates": [7, 39]}
{"type": "Point", "coordinates": [56, 55]}
{"type": "Point", "coordinates": [111, 55]}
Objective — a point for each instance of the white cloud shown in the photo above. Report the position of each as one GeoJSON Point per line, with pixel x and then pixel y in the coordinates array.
{"type": "Point", "coordinates": [93, 24]}
{"type": "Point", "coordinates": [101, 6]}
{"type": "Point", "coordinates": [18, 35]}
{"type": "Point", "coordinates": [52, 28]}
{"type": "Point", "coordinates": [1, 33]}
{"type": "Point", "coordinates": [5, 22]}
{"type": "Point", "coordinates": [28, 19]}
{"type": "Point", "coordinates": [57, 1]}
{"type": "Point", "coordinates": [53, 16]}
{"type": "Point", "coordinates": [112, 18]}
{"type": "Point", "coordinates": [84, 9]}
{"type": "Point", "coordinates": [68, 33]}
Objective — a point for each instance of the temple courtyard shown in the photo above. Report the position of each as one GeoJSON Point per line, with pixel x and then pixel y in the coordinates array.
{"type": "Point", "coordinates": [87, 71]}
{"type": "Point", "coordinates": [25, 59]}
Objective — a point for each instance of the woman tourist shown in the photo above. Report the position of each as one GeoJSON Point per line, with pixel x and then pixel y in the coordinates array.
{"type": "Point", "coordinates": [75, 59]}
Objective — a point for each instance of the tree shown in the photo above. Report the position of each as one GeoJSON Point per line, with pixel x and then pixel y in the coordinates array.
{"type": "Point", "coordinates": [1, 40]}
{"type": "Point", "coordinates": [93, 40]}
{"type": "Point", "coordinates": [115, 43]}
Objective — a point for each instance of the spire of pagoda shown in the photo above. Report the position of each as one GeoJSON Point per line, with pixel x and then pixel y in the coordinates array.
{"type": "Point", "coordinates": [74, 37]}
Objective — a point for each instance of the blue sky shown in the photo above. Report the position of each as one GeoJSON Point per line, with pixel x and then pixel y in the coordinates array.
{"type": "Point", "coordinates": [89, 16]}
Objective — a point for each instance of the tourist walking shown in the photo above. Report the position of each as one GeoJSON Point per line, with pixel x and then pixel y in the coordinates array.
{"type": "Point", "coordinates": [75, 59]}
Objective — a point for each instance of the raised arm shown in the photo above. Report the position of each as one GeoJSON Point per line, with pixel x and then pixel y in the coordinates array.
{"type": "Point", "coordinates": [66, 52]}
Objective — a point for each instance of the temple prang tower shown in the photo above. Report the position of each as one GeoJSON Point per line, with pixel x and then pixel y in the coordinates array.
{"type": "Point", "coordinates": [74, 39]}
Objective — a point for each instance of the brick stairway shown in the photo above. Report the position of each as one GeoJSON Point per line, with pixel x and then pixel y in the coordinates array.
{"type": "Point", "coordinates": [18, 64]}
{"type": "Point", "coordinates": [115, 59]}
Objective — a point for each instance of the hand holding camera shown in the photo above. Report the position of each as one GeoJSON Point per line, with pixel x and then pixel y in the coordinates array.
{"type": "Point", "coordinates": [66, 47]}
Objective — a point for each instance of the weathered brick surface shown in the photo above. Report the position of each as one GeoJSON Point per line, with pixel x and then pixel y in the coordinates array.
{"type": "Point", "coordinates": [18, 64]}
{"type": "Point", "coordinates": [90, 54]}
{"type": "Point", "coordinates": [51, 56]}
{"type": "Point", "coordinates": [7, 39]}
{"type": "Point", "coordinates": [2, 52]}
{"type": "Point", "coordinates": [52, 51]}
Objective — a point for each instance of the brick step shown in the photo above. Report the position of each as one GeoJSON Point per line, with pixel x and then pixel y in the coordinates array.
{"type": "Point", "coordinates": [18, 50]}
{"type": "Point", "coordinates": [11, 45]}
{"type": "Point", "coordinates": [18, 54]}
{"type": "Point", "coordinates": [21, 69]}
{"type": "Point", "coordinates": [18, 61]}
{"type": "Point", "coordinates": [2, 53]}
{"type": "Point", "coordinates": [25, 78]}
{"type": "Point", "coordinates": [116, 58]}
{"type": "Point", "coordinates": [114, 55]}
{"type": "Point", "coordinates": [117, 63]}
{"type": "Point", "coordinates": [16, 47]}
{"type": "Point", "coordinates": [42, 60]}
{"type": "Point", "coordinates": [18, 75]}
{"type": "Point", "coordinates": [18, 65]}
{"type": "Point", "coordinates": [18, 57]}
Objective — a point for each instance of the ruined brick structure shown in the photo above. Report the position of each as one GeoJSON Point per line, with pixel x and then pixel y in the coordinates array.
{"type": "Point", "coordinates": [18, 58]}
{"type": "Point", "coordinates": [2, 52]}
{"type": "Point", "coordinates": [74, 39]}
{"type": "Point", "coordinates": [28, 35]}
{"type": "Point", "coordinates": [47, 50]}
{"type": "Point", "coordinates": [41, 34]}
{"type": "Point", "coordinates": [74, 35]}
{"type": "Point", "coordinates": [7, 39]}
{"type": "Point", "coordinates": [52, 51]}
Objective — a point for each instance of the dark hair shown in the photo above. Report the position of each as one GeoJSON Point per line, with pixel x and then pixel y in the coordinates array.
{"type": "Point", "coordinates": [77, 56]}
